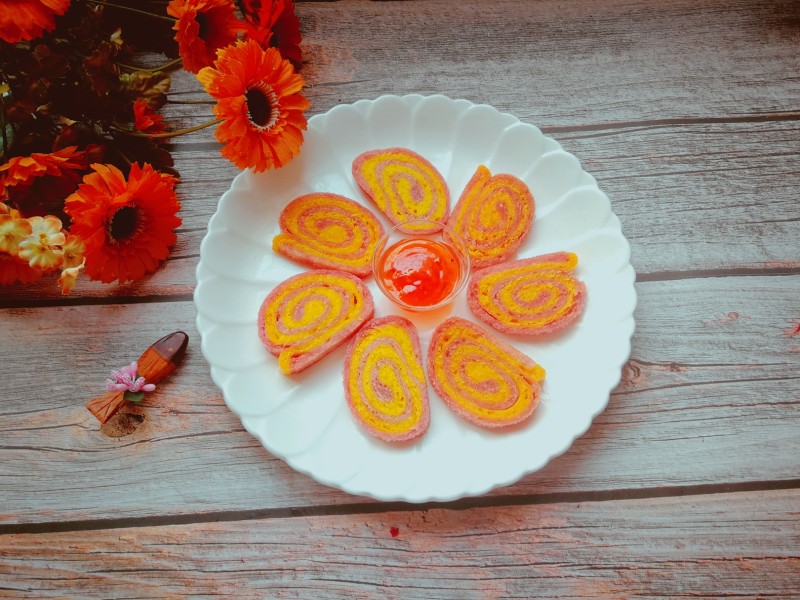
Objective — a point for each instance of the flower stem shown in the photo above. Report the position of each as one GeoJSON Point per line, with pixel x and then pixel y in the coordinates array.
{"type": "Point", "coordinates": [169, 134]}
{"type": "Point", "coordinates": [3, 126]}
{"type": "Point", "coordinates": [171, 63]}
{"type": "Point", "coordinates": [191, 101]}
{"type": "Point", "coordinates": [131, 9]}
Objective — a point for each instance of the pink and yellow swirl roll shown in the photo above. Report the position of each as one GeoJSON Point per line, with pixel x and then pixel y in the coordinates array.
{"type": "Point", "coordinates": [531, 296]}
{"type": "Point", "coordinates": [384, 380]}
{"type": "Point", "coordinates": [328, 231]}
{"type": "Point", "coordinates": [309, 315]}
{"type": "Point", "coordinates": [481, 378]}
{"type": "Point", "coordinates": [492, 216]}
{"type": "Point", "coordinates": [403, 185]}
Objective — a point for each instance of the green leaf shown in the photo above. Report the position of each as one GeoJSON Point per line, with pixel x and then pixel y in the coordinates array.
{"type": "Point", "coordinates": [134, 396]}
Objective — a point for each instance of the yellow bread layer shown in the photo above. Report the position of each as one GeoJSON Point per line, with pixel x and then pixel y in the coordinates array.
{"type": "Point", "coordinates": [477, 360]}
{"type": "Point", "coordinates": [399, 201]}
{"type": "Point", "coordinates": [490, 217]}
{"type": "Point", "coordinates": [525, 284]}
{"type": "Point", "coordinates": [321, 303]}
{"type": "Point", "coordinates": [408, 373]}
{"type": "Point", "coordinates": [328, 227]}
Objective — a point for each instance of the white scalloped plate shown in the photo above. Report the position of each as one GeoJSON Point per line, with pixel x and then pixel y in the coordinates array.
{"type": "Point", "coordinates": [304, 419]}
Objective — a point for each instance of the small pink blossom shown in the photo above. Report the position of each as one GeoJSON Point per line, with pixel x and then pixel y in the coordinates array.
{"type": "Point", "coordinates": [126, 379]}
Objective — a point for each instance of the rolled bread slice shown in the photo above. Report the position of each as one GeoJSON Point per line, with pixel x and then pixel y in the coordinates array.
{"type": "Point", "coordinates": [328, 231]}
{"type": "Point", "coordinates": [480, 378]}
{"type": "Point", "coordinates": [531, 296]}
{"type": "Point", "coordinates": [384, 380]}
{"type": "Point", "coordinates": [404, 186]}
{"type": "Point", "coordinates": [309, 315]}
{"type": "Point", "coordinates": [493, 216]}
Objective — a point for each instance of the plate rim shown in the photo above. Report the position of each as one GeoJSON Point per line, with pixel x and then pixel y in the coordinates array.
{"type": "Point", "coordinates": [545, 458]}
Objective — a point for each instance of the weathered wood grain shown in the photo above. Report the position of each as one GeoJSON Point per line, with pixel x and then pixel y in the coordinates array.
{"type": "Point", "coordinates": [710, 397]}
{"type": "Point", "coordinates": [555, 63]}
{"type": "Point", "coordinates": [722, 545]}
{"type": "Point", "coordinates": [691, 198]}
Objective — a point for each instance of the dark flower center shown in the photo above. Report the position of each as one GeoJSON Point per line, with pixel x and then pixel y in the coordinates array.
{"type": "Point", "coordinates": [124, 223]}
{"type": "Point", "coordinates": [260, 106]}
{"type": "Point", "coordinates": [205, 25]}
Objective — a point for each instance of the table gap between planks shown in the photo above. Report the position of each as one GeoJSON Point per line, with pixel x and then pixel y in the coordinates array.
{"type": "Point", "coordinates": [688, 115]}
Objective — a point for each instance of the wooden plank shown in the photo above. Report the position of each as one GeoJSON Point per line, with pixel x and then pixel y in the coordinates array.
{"type": "Point", "coordinates": [741, 545]}
{"type": "Point", "coordinates": [554, 63]}
{"type": "Point", "coordinates": [710, 397]}
{"type": "Point", "coordinates": [682, 194]}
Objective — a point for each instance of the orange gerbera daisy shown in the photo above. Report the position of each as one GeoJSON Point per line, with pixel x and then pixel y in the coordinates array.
{"type": "Point", "coordinates": [258, 98]}
{"type": "Point", "coordinates": [127, 225]}
{"type": "Point", "coordinates": [274, 24]}
{"type": "Point", "coordinates": [203, 27]}
{"type": "Point", "coordinates": [37, 184]}
{"type": "Point", "coordinates": [22, 20]}
{"type": "Point", "coordinates": [145, 119]}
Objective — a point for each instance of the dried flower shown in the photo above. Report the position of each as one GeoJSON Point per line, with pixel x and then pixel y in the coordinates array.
{"type": "Point", "coordinates": [127, 225]}
{"type": "Point", "coordinates": [258, 98]}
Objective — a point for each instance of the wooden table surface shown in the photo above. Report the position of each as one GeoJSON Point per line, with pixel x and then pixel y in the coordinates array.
{"type": "Point", "coordinates": [687, 485]}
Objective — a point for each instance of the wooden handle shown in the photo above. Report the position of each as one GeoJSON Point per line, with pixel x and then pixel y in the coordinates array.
{"type": "Point", "coordinates": [155, 364]}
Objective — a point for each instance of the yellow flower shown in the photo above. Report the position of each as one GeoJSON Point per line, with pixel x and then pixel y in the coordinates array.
{"type": "Point", "coordinates": [74, 249]}
{"type": "Point", "coordinates": [42, 249]}
{"type": "Point", "coordinates": [12, 232]}
{"type": "Point", "coordinates": [69, 277]}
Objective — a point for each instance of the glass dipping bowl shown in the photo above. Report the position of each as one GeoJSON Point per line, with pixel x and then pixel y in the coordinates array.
{"type": "Point", "coordinates": [421, 271]}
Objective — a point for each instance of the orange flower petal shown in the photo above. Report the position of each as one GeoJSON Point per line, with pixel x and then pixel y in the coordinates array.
{"type": "Point", "coordinates": [127, 225]}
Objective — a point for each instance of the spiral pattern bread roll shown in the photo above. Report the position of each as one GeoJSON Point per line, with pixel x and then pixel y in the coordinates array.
{"type": "Point", "coordinates": [480, 378]}
{"type": "Point", "coordinates": [307, 316]}
{"type": "Point", "coordinates": [532, 296]}
{"type": "Point", "coordinates": [384, 380]}
{"type": "Point", "coordinates": [328, 231]}
{"type": "Point", "coordinates": [492, 216]}
{"type": "Point", "coordinates": [403, 185]}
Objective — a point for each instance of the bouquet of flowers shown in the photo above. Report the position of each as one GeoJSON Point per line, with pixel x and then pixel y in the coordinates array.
{"type": "Point", "coordinates": [87, 181]}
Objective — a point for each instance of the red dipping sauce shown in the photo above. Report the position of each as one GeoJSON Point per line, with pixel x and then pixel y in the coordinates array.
{"type": "Point", "coordinates": [419, 272]}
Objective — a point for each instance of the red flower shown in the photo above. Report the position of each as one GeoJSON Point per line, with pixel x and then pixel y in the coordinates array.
{"type": "Point", "coordinates": [38, 184]}
{"type": "Point", "coordinates": [203, 27]}
{"type": "Point", "coordinates": [274, 24]}
{"type": "Point", "coordinates": [22, 20]}
{"type": "Point", "coordinates": [13, 269]}
{"type": "Point", "coordinates": [258, 98]}
{"type": "Point", "coordinates": [127, 225]}
{"type": "Point", "coordinates": [145, 119]}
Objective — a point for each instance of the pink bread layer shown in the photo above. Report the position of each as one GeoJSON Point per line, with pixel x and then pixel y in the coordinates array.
{"type": "Point", "coordinates": [564, 322]}
{"type": "Point", "coordinates": [455, 406]}
{"type": "Point", "coordinates": [322, 262]}
{"type": "Point", "coordinates": [306, 360]}
{"type": "Point", "coordinates": [422, 426]}
{"type": "Point", "coordinates": [365, 187]}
